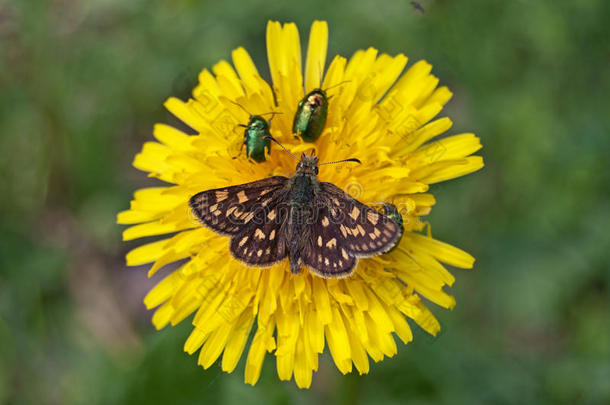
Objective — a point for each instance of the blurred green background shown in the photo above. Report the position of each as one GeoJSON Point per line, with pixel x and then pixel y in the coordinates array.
{"type": "Point", "coordinates": [83, 82]}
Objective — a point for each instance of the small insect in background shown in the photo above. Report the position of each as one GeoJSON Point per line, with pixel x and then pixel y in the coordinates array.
{"type": "Point", "coordinates": [391, 211]}
{"type": "Point", "coordinates": [310, 117]}
{"type": "Point", "coordinates": [417, 6]}
{"type": "Point", "coordinates": [256, 135]}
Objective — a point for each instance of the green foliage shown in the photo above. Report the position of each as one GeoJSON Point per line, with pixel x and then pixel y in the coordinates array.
{"type": "Point", "coordinates": [82, 85]}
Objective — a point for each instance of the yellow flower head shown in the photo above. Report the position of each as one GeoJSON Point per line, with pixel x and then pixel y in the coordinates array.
{"type": "Point", "coordinates": [386, 120]}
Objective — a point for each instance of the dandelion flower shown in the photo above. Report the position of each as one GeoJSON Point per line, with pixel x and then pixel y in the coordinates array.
{"type": "Point", "coordinates": [377, 114]}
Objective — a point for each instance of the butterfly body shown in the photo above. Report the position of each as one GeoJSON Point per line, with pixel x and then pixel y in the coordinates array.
{"type": "Point", "coordinates": [255, 138]}
{"type": "Point", "coordinates": [302, 188]}
{"type": "Point", "coordinates": [313, 223]}
{"type": "Point", "coordinates": [310, 118]}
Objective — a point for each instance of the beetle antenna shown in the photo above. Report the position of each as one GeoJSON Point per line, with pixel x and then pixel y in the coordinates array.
{"type": "Point", "coordinates": [241, 106]}
{"type": "Point", "coordinates": [281, 146]}
{"type": "Point", "coordinates": [338, 84]}
{"type": "Point", "coordinates": [273, 114]}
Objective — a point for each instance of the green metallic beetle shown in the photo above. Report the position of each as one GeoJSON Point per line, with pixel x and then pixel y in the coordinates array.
{"type": "Point", "coordinates": [310, 118]}
{"type": "Point", "coordinates": [391, 211]}
{"type": "Point", "coordinates": [254, 138]}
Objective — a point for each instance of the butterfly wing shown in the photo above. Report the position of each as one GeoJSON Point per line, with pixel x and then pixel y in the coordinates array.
{"type": "Point", "coordinates": [262, 243]}
{"type": "Point", "coordinates": [366, 231]}
{"type": "Point", "coordinates": [326, 254]}
{"type": "Point", "coordinates": [345, 229]}
{"type": "Point", "coordinates": [229, 210]}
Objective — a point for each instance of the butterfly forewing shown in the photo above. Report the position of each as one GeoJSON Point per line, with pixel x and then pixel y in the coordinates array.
{"type": "Point", "coordinates": [229, 210]}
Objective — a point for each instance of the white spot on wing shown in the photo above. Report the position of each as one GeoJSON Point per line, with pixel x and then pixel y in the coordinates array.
{"type": "Point", "coordinates": [221, 195]}
{"type": "Point", "coordinates": [373, 217]}
{"type": "Point", "coordinates": [241, 196]}
{"type": "Point", "coordinates": [361, 229]}
{"type": "Point", "coordinates": [248, 217]}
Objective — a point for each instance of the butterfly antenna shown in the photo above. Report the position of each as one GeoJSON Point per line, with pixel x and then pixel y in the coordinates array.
{"type": "Point", "coordinates": [241, 106]}
{"type": "Point", "coordinates": [341, 161]}
{"type": "Point", "coordinates": [281, 146]}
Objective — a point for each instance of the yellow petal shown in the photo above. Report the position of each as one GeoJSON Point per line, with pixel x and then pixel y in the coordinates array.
{"type": "Point", "coordinates": [195, 340]}
{"type": "Point", "coordinates": [182, 111]}
{"type": "Point", "coordinates": [338, 341]}
{"type": "Point", "coordinates": [316, 55]}
{"type": "Point", "coordinates": [145, 253]}
{"type": "Point", "coordinates": [256, 355]}
{"type": "Point", "coordinates": [302, 370]}
{"type": "Point", "coordinates": [441, 250]}
{"type": "Point", "coordinates": [214, 345]}
{"type": "Point", "coordinates": [162, 291]}
{"type": "Point", "coordinates": [237, 341]}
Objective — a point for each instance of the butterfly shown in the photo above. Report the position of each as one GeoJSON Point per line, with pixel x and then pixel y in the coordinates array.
{"type": "Point", "coordinates": [313, 223]}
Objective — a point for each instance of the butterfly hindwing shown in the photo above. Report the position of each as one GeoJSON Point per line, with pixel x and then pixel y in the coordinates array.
{"type": "Point", "coordinates": [327, 255]}
{"type": "Point", "coordinates": [343, 230]}
{"type": "Point", "coordinates": [261, 243]}
{"type": "Point", "coordinates": [364, 231]}
{"type": "Point", "coordinates": [228, 210]}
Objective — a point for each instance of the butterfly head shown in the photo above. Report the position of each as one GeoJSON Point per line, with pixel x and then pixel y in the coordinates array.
{"type": "Point", "coordinates": [308, 165]}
